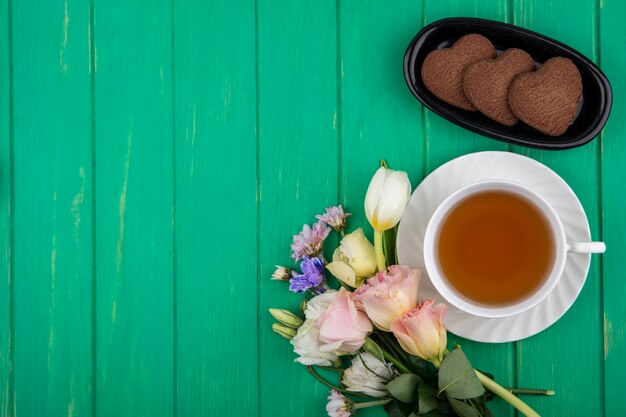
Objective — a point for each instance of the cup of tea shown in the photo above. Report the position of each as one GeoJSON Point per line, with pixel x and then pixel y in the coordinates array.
{"type": "Point", "coordinates": [496, 248]}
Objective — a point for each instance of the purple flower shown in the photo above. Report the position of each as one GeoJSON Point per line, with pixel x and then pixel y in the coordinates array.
{"type": "Point", "coordinates": [312, 275]}
{"type": "Point", "coordinates": [308, 243]}
{"type": "Point", "coordinates": [334, 217]}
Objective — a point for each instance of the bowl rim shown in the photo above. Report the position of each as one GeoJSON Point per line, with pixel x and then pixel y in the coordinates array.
{"type": "Point", "coordinates": [594, 129]}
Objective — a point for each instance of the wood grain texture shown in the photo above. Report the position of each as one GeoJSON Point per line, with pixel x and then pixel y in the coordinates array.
{"type": "Point", "coordinates": [52, 150]}
{"type": "Point", "coordinates": [556, 358]}
{"type": "Point", "coordinates": [220, 128]}
{"type": "Point", "coordinates": [297, 87]}
{"type": "Point", "coordinates": [445, 141]}
{"type": "Point", "coordinates": [216, 202]}
{"type": "Point", "coordinates": [134, 210]}
{"type": "Point", "coordinates": [378, 118]}
{"type": "Point", "coordinates": [612, 58]}
{"type": "Point", "coordinates": [6, 184]}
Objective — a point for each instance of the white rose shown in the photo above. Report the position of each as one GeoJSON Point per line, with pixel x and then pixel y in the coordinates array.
{"type": "Point", "coordinates": [317, 305]}
{"type": "Point", "coordinates": [368, 375]}
{"type": "Point", "coordinates": [307, 345]}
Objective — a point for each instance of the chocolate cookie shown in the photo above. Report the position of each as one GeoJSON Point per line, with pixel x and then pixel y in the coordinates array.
{"type": "Point", "coordinates": [548, 98]}
{"type": "Point", "coordinates": [486, 83]}
{"type": "Point", "coordinates": [442, 70]}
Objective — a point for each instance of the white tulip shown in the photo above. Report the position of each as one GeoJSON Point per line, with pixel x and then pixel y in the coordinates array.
{"type": "Point", "coordinates": [368, 375]}
{"type": "Point", "coordinates": [354, 260]}
{"type": "Point", "coordinates": [386, 198]}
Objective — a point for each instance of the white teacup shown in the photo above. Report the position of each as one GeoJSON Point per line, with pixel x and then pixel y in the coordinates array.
{"type": "Point", "coordinates": [561, 248]}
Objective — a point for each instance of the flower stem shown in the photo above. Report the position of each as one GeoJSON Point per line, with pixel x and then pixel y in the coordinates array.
{"type": "Point", "coordinates": [317, 376]}
{"type": "Point", "coordinates": [372, 347]}
{"type": "Point", "coordinates": [330, 368]}
{"type": "Point", "coordinates": [396, 362]}
{"type": "Point", "coordinates": [378, 248]}
{"type": "Point", "coordinates": [358, 406]}
{"type": "Point", "coordinates": [503, 393]}
{"type": "Point", "coordinates": [388, 339]}
{"type": "Point", "coordinates": [526, 391]}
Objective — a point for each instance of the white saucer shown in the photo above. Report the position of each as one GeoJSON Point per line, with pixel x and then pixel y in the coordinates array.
{"type": "Point", "coordinates": [503, 166]}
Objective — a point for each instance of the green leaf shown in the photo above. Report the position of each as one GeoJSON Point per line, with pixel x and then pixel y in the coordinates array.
{"type": "Point", "coordinates": [465, 409]}
{"type": "Point", "coordinates": [396, 408]}
{"type": "Point", "coordinates": [433, 413]}
{"type": "Point", "coordinates": [393, 410]}
{"type": "Point", "coordinates": [427, 399]}
{"type": "Point", "coordinates": [421, 367]}
{"type": "Point", "coordinates": [445, 408]}
{"type": "Point", "coordinates": [404, 387]}
{"type": "Point", "coordinates": [457, 377]}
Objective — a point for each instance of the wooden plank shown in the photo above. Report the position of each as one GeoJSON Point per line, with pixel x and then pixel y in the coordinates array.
{"type": "Point", "coordinates": [53, 209]}
{"type": "Point", "coordinates": [134, 194]}
{"type": "Point", "coordinates": [6, 184]}
{"type": "Point", "coordinates": [445, 141]}
{"type": "Point", "coordinates": [547, 359]}
{"type": "Point", "coordinates": [612, 58]}
{"type": "Point", "coordinates": [216, 204]}
{"type": "Point", "coordinates": [379, 118]}
{"type": "Point", "coordinates": [297, 88]}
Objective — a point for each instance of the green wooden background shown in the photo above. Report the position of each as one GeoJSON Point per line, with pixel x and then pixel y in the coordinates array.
{"type": "Point", "coordinates": [157, 156]}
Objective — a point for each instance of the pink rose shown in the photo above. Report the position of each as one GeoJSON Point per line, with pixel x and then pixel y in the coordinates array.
{"type": "Point", "coordinates": [343, 328]}
{"type": "Point", "coordinates": [389, 295]}
{"type": "Point", "coordinates": [421, 332]}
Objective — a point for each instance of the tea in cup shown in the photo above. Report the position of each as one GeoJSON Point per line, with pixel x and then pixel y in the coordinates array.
{"type": "Point", "coordinates": [496, 248]}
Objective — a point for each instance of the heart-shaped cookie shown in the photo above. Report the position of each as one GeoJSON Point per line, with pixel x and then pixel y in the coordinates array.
{"type": "Point", "coordinates": [486, 83]}
{"type": "Point", "coordinates": [442, 70]}
{"type": "Point", "coordinates": [548, 98]}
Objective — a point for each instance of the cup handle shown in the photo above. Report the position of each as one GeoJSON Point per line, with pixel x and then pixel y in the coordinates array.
{"type": "Point", "coordinates": [586, 247]}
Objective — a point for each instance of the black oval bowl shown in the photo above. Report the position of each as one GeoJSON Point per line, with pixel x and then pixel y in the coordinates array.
{"type": "Point", "coordinates": [593, 111]}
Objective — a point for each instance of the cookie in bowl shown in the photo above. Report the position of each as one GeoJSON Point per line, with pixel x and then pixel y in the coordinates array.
{"type": "Point", "coordinates": [442, 71]}
{"type": "Point", "coordinates": [486, 83]}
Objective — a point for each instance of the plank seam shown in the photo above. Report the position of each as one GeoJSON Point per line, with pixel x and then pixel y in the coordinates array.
{"type": "Point", "coordinates": [94, 280]}
{"type": "Point", "coordinates": [11, 214]}
{"type": "Point", "coordinates": [510, 18]}
{"type": "Point", "coordinates": [257, 133]}
{"type": "Point", "coordinates": [515, 345]}
{"type": "Point", "coordinates": [174, 240]}
{"type": "Point", "coordinates": [423, 114]}
{"type": "Point", "coordinates": [338, 111]}
{"type": "Point", "coordinates": [600, 264]}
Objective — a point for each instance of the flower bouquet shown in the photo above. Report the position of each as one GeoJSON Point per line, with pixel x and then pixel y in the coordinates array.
{"type": "Point", "coordinates": [387, 347]}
